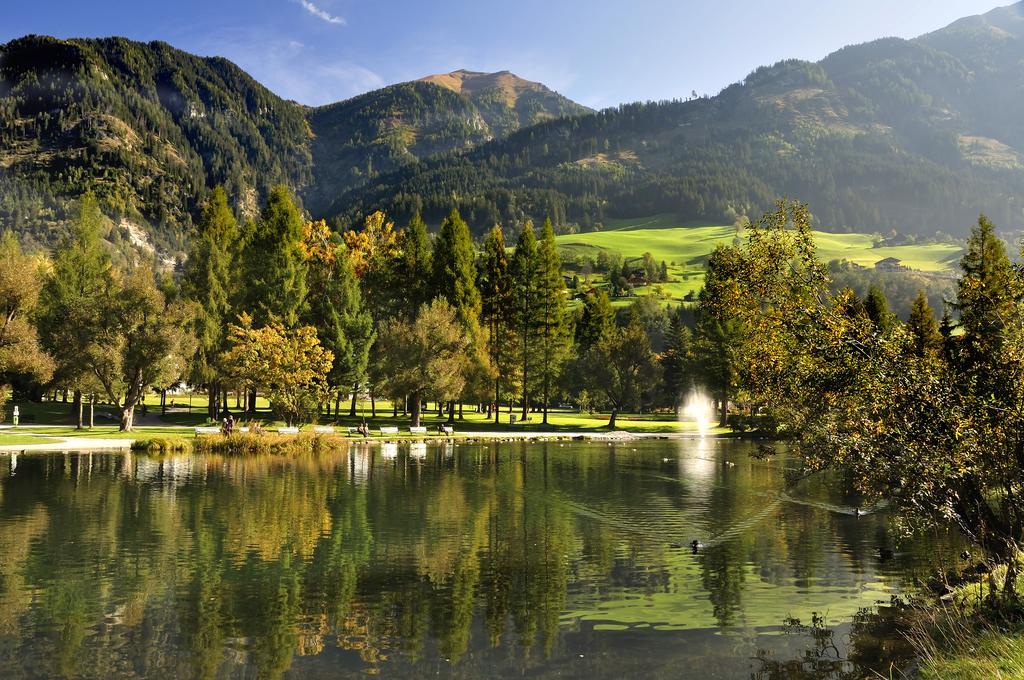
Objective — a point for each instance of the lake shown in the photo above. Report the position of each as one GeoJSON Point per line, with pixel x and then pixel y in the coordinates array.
{"type": "Point", "coordinates": [472, 560]}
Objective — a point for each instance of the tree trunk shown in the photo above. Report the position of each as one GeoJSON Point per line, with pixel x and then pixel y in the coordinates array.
{"type": "Point", "coordinates": [78, 400]}
{"type": "Point", "coordinates": [724, 420]}
{"type": "Point", "coordinates": [373, 405]}
{"type": "Point", "coordinates": [163, 402]}
{"type": "Point", "coordinates": [352, 407]}
{"type": "Point", "coordinates": [415, 399]}
{"type": "Point", "coordinates": [76, 405]}
{"type": "Point", "coordinates": [127, 417]}
{"type": "Point", "coordinates": [92, 409]}
{"type": "Point", "coordinates": [394, 408]}
{"type": "Point", "coordinates": [497, 401]}
{"type": "Point", "coordinates": [211, 407]}
{"type": "Point", "coordinates": [252, 402]}
{"type": "Point", "coordinates": [451, 412]}
{"type": "Point", "coordinates": [546, 398]}
{"type": "Point", "coordinates": [460, 410]}
{"type": "Point", "coordinates": [611, 421]}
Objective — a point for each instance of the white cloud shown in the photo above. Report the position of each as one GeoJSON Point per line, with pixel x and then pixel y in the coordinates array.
{"type": "Point", "coordinates": [321, 14]}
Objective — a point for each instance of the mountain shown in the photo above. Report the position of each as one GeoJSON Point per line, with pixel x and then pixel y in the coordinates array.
{"type": "Point", "coordinates": [358, 140]}
{"type": "Point", "coordinates": [150, 129]}
{"type": "Point", "coordinates": [915, 135]}
{"type": "Point", "coordinates": [145, 126]}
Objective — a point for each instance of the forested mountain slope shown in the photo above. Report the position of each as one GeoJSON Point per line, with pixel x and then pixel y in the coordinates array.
{"type": "Point", "coordinates": [915, 135]}
{"type": "Point", "coordinates": [150, 129]}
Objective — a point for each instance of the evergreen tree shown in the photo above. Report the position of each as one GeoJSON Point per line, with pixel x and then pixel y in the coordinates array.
{"type": "Point", "coordinates": [946, 329]}
{"type": "Point", "coordinates": [416, 268]}
{"type": "Point", "coordinates": [334, 306]}
{"type": "Point", "coordinates": [986, 292]}
{"type": "Point", "coordinates": [927, 340]}
{"type": "Point", "coordinates": [498, 309]}
{"type": "Point", "coordinates": [526, 292]}
{"type": "Point", "coordinates": [553, 322]}
{"type": "Point", "coordinates": [208, 281]}
{"type": "Point", "coordinates": [597, 319]}
{"type": "Point", "coordinates": [274, 262]}
{"type": "Point", "coordinates": [719, 335]}
{"type": "Point", "coordinates": [454, 266]}
{"type": "Point", "coordinates": [876, 306]}
{"type": "Point", "coordinates": [676, 362]}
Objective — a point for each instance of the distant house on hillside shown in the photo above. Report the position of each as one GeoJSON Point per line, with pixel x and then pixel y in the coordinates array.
{"type": "Point", "coordinates": [890, 264]}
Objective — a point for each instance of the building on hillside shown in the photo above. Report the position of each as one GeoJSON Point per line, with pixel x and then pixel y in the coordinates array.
{"type": "Point", "coordinates": [890, 264]}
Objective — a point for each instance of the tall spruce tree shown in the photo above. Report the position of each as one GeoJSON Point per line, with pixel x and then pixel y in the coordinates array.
{"type": "Point", "coordinates": [207, 282]}
{"type": "Point", "coordinates": [552, 319]}
{"type": "Point", "coordinates": [334, 306]}
{"type": "Point", "coordinates": [454, 266]}
{"type": "Point", "coordinates": [274, 262]}
{"type": "Point", "coordinates": [986, 292]}
{"type": "Point", "coordinates": [498, 309]}
{"type": "Point", "coordinates": [597, 319]}
{"type": "Point", "coordinates": [676, 363]}
{"type": "Point", "coordinates": [876, 306]}
{"type": "Point", "coordinates": [526, 293]}
{"type": "Point", "coordinates": [416, 268]}
{"type": "Point", "coordinates": [924, 328]}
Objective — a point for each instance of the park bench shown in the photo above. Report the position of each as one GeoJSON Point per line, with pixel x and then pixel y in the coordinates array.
{"type": "Point", "coordinates": [353, 430]}
{"type": "Point", "coordinates": [241, 429]}
{"type": "Point", "coordinates": [388, 430]}
{"type": "Point", "coordinates": [207, 430]}
{"type": "Point", "coordinates": [323, 429]}
{"type": "Point", "coordinates": [287, 430]}
{"type": "Point", "coordinates": [417, 430]}
{"type": "Point", "coordinates": [447, 430]}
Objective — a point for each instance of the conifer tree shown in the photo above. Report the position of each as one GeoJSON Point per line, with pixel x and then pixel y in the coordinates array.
{"type": "Point", "coordinates": [986, 292]}
{"type": "Point", "coordinates": [552, 320]}
{"type": "Point", "coordinates": [498, 309]}
{"type": "Point", "coordinates": [526, 291]}
{"type": "Point", "coordinates": [274, 262]}
{"type": "Point", "coordinates": [416, 275]}
{"type": "Point", "coordinates": [207, 282]}
{"type": "Point", "coordinates": [334, 307]}
{"type": "Point", "coordinates": [876, 306]}
{"type": "Point", "coordinates": [676, 362]}
{"type": "Point", "coordinates": [454, 280]}
{"type": "Point", "coordinates": [597, 319]}
{"type": "Point", "coordinates": [927, 340]}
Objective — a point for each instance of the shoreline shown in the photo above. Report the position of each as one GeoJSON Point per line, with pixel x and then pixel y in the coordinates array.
{"type": "Point", "coordinates": [124, 444]}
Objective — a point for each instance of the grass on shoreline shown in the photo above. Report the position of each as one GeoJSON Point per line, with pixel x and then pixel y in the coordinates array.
{"type": "Point", "coordinates": [967, 638]}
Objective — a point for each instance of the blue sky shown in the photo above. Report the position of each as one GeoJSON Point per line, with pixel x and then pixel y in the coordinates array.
{"type": "Point", "coordinates": [600, 53]}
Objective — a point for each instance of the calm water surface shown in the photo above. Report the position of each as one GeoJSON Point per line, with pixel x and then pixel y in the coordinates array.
{"type": "Point", "coordinates": [476, 560]}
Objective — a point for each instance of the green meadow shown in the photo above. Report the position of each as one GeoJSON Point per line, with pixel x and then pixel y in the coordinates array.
{"type": "Point", "coordinates": [685, 248]}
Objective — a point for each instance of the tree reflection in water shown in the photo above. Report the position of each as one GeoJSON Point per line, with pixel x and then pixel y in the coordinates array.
{"type": "Point", "coordinates": [478, 560]}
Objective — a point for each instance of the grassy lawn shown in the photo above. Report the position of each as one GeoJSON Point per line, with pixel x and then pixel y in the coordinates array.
{"type": "Point", "coordinates": [685, 248]}
{"type": "Point", "coordinates": [177, 424]}
{"type": "Point", "coordinates": [18, 439]}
